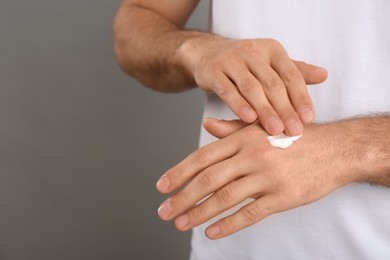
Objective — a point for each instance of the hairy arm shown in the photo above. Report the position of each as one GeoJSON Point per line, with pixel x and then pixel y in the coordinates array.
{"type": "Point", "coordinates": [364, 142]}
{"type": "Point", "coordinates": [147, 35]}
{"type": "Point", "coordinates": [254, 77]}
{"type": "Point", "coordinates": [370, 138]}
{"type": "Point", "coordinates": [241, 165]}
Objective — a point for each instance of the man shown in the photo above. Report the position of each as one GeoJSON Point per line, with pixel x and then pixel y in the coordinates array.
{"type": "Point", "coordinates": [326, 196]}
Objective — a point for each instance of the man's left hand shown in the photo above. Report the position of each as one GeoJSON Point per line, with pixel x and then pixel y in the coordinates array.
{"type": "Point", "coordinates": [242, 165]}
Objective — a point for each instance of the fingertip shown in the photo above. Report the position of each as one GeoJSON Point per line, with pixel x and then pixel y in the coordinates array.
{"type": "Point", "coordinates": [182, 222]}
{"type": "Point", "coordinates": [248, 115]}
{"type": "Point", "coordinates": [165, 210]}
{"type": "Point", "coordinates": [307, 115]}
{"type": "Point", "coordinates": [210, 120]}
{"type": "Point", "coordinates": [319, 67]}
{"type": "Point", "coordinates": [213, 232]}
{"type": "Point", "coordinates": [162, 184]}
{"type": "Point", "coordinates": [274, 125]}
{"type": "Point", "coordinates": [293, 127]}
{"type": "Point", "coordinates": [322, 73]}
{"type": "Point", "coordinates": [209, 123]}
{"type": "Point", "coordinates": [312, 74]}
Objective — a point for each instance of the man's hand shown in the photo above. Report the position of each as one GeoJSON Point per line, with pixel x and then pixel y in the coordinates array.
{"type": "Point", "coordinates": [243, 165]}
{"type": "Point", "coordinates": [256, 79]}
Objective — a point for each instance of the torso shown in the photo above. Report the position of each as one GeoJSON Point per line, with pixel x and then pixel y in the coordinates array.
{"type": "Point", "coordinates": [351, 40]}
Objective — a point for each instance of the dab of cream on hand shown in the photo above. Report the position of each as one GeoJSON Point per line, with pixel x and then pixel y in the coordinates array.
{"type": "Point", "coordinates": [282, 141]}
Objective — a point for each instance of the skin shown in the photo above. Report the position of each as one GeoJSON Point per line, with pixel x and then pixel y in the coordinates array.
{"type": "Point", "coordinates": [254, 77]}
{"type": "Point", "coordinates": [241, 165]}
{"type": "Point", "coordinates": [266, 89]}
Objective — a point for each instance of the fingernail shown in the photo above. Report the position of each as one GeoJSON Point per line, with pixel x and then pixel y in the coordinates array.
{"type": "Point", "coordinates": [213, 231]}
{"type": "Point", "coordinates": [294, 127]}
{"type": "Point", "coordinates": [307, 114]}
{"type": "Point", "coordinates": [163, 183]}
{"type": "Point", "coordinates": [165, 210]}
{"type": "Point", "coordinates": [182, 221]}
{"type": "Point", "coordinates": [274, 125]}
{"type": "Point", "coordinates": [210, 119]}
{"type": "Point", "coordinates": [249, 115]}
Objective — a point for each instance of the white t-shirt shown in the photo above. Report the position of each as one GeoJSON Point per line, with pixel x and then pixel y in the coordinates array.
{"type": "Point", "coordinates": [351, 39]}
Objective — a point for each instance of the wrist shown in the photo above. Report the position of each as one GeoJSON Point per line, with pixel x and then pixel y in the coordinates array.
{"type": "Point", "coordinates": [192, 50]}
{"type": "Point", "coordinates": [365, 149]}
{"type": "Point", "coordinates": [344, 153]}
{"type": "Point", "coordinates": [371, 137]}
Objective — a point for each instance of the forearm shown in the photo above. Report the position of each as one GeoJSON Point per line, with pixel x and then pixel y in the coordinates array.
{"type": "Point", "coordinates": [370, 145]}
{"type": "Point", "coordinates": [146, 45]}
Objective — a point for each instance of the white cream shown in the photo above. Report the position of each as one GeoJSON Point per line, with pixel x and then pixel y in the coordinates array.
{"type": "Point", "coordinates": [282, 141]}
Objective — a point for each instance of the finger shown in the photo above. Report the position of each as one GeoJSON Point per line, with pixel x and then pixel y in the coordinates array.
{"type": "Point", "coordinates": [296, 88]}
{"type": "Point", "coordinates": [311, 73]}
{"type": "Point", "coordinates": [196, 162]}
{"type": "Point", "coordinates": [252, 90]}
{"type": "Point", "coordinates": [229, 94]}
{"type": "Point", "coordinates": [276, 92]}
{"type": "Point", "coordinates": [222, 128]}
{"type": "Point", "coordinates": [205, 183]}
{"type": "Point", "coordinates": [244, 217]}
{"type": "Point", "coordinates": [223, 199]}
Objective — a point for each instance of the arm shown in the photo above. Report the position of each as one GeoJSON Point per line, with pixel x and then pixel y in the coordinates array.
{"type": "Point", "coordinates": [254, 77]}
{"type": "Point", "coordinates": [147, 36]}
{"type": "Point", "coordinates": [371, 139]}
{"type": "Point", "coordinates": [242, 165]}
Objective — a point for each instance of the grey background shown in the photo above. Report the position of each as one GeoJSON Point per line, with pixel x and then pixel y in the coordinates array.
{"type": "Point", "coordinates": [82, 144]}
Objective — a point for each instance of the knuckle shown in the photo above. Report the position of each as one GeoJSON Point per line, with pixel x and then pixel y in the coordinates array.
{"type": "Point", "coordinates": [274, 44]}
{"type": "Point", "coordinates": [247, 44]}
{"type": "Point", "coordinates": [273, 83]}
{"type": "Point", "coordinates": [252, 213]}
{"type": "Point", "coordinates": [292, 75]}
{"type": "Point", "coordinates": [199, 157]}
{"type": "Point", "coordinates": [222, 90]}
{"type": "Point", "coordinates": [266, 111]}
{"type": "Point", "coordinates": [197, 213]}
{"type": "Point", "coordinates": [287, 112]}
{"type": "Point", "coordinates": [207, 178]}
{"type": "Point", "coordinates": [228, 225]}
{"type": "Point", "coordinates": [226, 195]}
{"type": "Point", "coordinates": [178, 201]}
{"type": "Point", "coordinates": [251, 47]}
{"type": "Point", "coordinates": [248, 87]}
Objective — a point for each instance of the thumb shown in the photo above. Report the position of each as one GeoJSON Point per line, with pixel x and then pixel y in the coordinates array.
{"type": "Point", "coordinates": [311, 73]}
{"type": "Point", "coordinates": [222, 128]}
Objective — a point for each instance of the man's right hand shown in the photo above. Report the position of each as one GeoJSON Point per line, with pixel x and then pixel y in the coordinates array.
{"type": "Point", "coordinates": [256, 79]}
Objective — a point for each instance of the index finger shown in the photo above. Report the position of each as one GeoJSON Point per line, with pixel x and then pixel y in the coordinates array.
{"type": "Point", "coordinates": [296, 87]}
{"type": "Point", "coordinates": [229, 94]}
{"type": "Point", "coordinates": [196, 162]}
